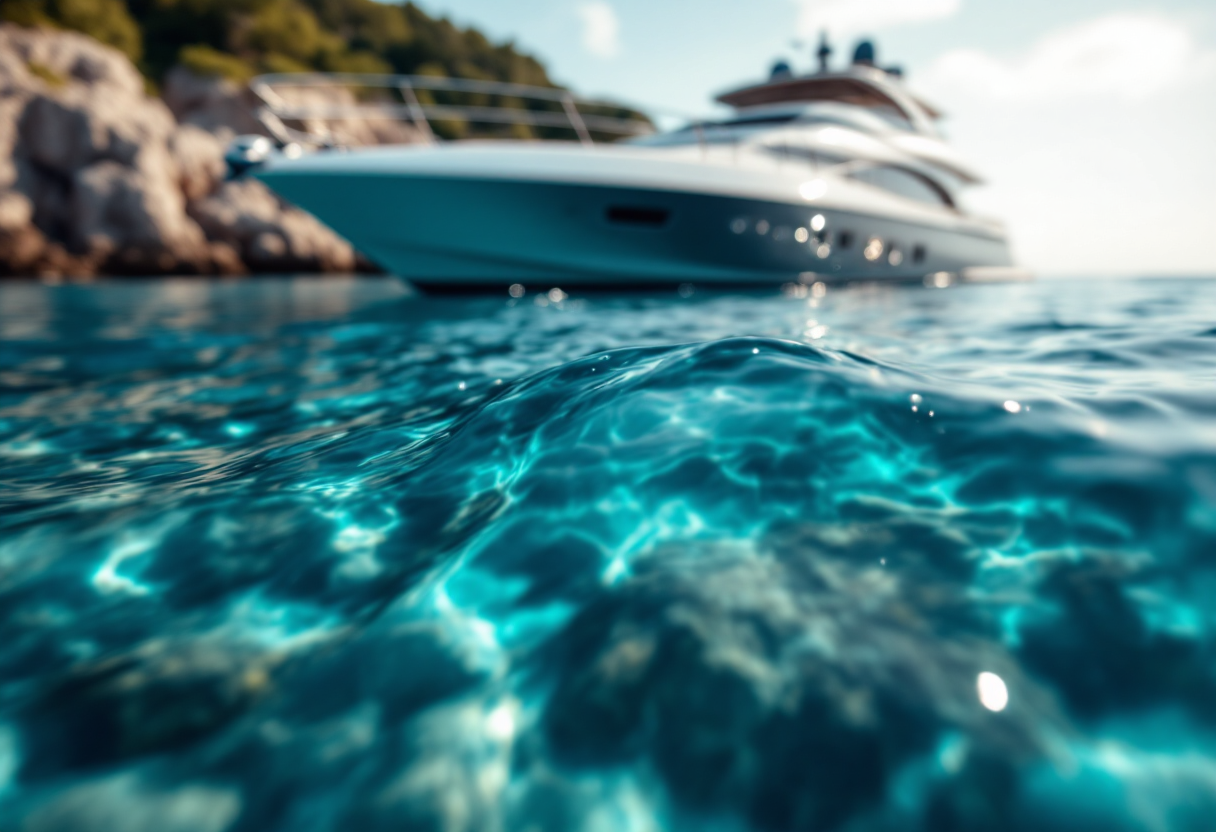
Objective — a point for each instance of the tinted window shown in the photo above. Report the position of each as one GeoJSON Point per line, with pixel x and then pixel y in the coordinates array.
{"type": "Point", "coordinates": [903, 182]}
{"type": "Point", "coordinates": [746, 121]}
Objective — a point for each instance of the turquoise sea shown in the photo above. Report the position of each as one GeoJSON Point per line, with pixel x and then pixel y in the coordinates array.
{"type": "Point", "coordinates": [313, 554]}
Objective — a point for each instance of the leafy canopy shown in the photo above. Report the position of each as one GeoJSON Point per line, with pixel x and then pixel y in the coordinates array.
{"type": "Point", "coordinates": [239, 38]}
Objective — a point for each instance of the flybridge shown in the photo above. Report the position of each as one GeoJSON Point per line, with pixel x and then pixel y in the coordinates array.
{"type": "Point", "coordinates": [860, 87]}
{"type": "Point", "coordinates": [863, 84]}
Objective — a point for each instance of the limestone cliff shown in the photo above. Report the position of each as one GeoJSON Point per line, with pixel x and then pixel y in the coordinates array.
{"type": "Point", "coordinates": [97, 177]}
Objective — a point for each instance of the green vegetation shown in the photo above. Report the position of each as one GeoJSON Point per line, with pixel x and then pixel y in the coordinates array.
{"type": "Point", "coordinates": [46, 74]}
{"type": "Point", "coordinates": [108, 21]}
{"type": "Point", "coordinates": [238, 39]}
{"type": "Point", "coordinates": [212, 63]}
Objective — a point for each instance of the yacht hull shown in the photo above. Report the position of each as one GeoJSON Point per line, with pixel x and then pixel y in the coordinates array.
{"type": "Point", "coordinates": [468, 231]}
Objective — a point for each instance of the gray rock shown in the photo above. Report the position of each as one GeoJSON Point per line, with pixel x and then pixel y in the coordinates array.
{"type": "Point", "coordinates": [67, 130]}
{"type": "Point", "coordinates": [97, 177]}
{"type": "Point", "coordinates": [16, 212]}
{"type": "Point", "coordinates": [11, 108]}
{"type": "Point", "coordinates": [73, 56]}
{"type": "Point", "coordinates": [217, 105]}
{"type": "Point", "coordinates": [21, 244]}
{"type": "Point", "coordinates": [199, 157]}
{"type": "Point", "coordinates": [270, 235]}
{"type": "Point", "coordinates": [134, 209]}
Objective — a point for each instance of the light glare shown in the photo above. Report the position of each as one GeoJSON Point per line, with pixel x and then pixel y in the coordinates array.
{"type": "Point", "coordinates": [813, 189]}
{"type": "Point", "coordinates": [992, 691]}
{"type": "Point", "coordinates": [500, 723]}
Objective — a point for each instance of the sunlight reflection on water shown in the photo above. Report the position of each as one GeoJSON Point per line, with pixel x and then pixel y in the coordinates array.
{"type": "Point", "coordinates": [328, 554]}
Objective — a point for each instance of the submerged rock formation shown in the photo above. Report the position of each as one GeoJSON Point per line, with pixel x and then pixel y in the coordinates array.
{"type": "Point", "coordinates": [96, 177]}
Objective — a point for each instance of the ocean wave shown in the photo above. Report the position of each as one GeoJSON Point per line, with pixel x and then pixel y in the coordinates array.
{"type": "Point", "coordinates": [398, 573]}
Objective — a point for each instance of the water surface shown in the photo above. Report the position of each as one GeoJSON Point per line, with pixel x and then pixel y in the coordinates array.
{"type": "Point", "coordinates": [328, 555]}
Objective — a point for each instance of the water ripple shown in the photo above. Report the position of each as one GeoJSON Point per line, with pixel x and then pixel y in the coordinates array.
{"type": "Point", "coordinates": [309, 555]}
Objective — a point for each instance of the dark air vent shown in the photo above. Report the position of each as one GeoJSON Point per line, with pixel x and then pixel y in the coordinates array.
{"type": "Point", "coordinates": [642, 217]}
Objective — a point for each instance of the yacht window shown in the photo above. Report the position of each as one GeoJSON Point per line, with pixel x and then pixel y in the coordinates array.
{"type": "Point", "coordinates": [688, 136]}
{"type": "Point", "coordinates": [742, 121]}
{"type": "Point", "coordinates": [845, 115]}
{"type": "Point", "coordinates": [800, 153]}
{"type": "Point", "coordinates": [748, 121]}
{"type": "Point", "coordinates": [630, 215]}
{"type": "Point", "coordinates": [903, 182]}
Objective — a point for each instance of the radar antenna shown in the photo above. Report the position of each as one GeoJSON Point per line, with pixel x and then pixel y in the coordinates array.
{"type": "Point", "coordinates": [824, 53]}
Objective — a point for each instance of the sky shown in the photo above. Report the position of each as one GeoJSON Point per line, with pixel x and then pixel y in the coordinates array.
{"type": "Point", "coordinates": [1093, 120]}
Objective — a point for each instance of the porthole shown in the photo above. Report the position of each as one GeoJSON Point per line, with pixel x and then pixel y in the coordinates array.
{"type": "Point", "coordinates": [918, 254]}
{"type": "Point", "coordinates": [845, 239]}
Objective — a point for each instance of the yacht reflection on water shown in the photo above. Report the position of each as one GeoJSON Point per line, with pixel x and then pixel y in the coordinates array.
{"type": "Point", "coordinates": [836, 175]}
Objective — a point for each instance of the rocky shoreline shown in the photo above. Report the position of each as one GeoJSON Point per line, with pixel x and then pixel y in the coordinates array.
{"type": "Point", "coordinates": [99, 178]}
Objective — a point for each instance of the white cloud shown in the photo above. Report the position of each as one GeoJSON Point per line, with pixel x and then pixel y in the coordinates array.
{"type": "Point", "coordinates": [1126, 55]}
{"type": "Point", "coordinates": [601, 29]}
{"type": "Point", "coordinates": [851, 17]}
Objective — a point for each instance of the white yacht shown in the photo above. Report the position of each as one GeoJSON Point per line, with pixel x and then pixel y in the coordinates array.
{"type": "Point", "coordinates": [837, 175]}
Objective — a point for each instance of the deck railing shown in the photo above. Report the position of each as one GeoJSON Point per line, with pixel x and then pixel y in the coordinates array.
{"type": "Point", "coordinates": [276, 110]}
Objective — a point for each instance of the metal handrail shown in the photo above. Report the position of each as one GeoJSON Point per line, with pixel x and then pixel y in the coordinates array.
{"type": "Point", "coordinates": [277, 110]}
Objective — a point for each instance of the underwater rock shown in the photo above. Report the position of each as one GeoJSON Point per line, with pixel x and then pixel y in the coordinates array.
{"type": "Point", "coordinates": [136, 804]}
{"type": "Point", "coordinates": [1095, 626]}
{"type": "Point", "coordinates": [795, 684]}
{"type": "Point", "coordinates": [449, 775]}
{"type": "Point", "coordinates": [161, 696]}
